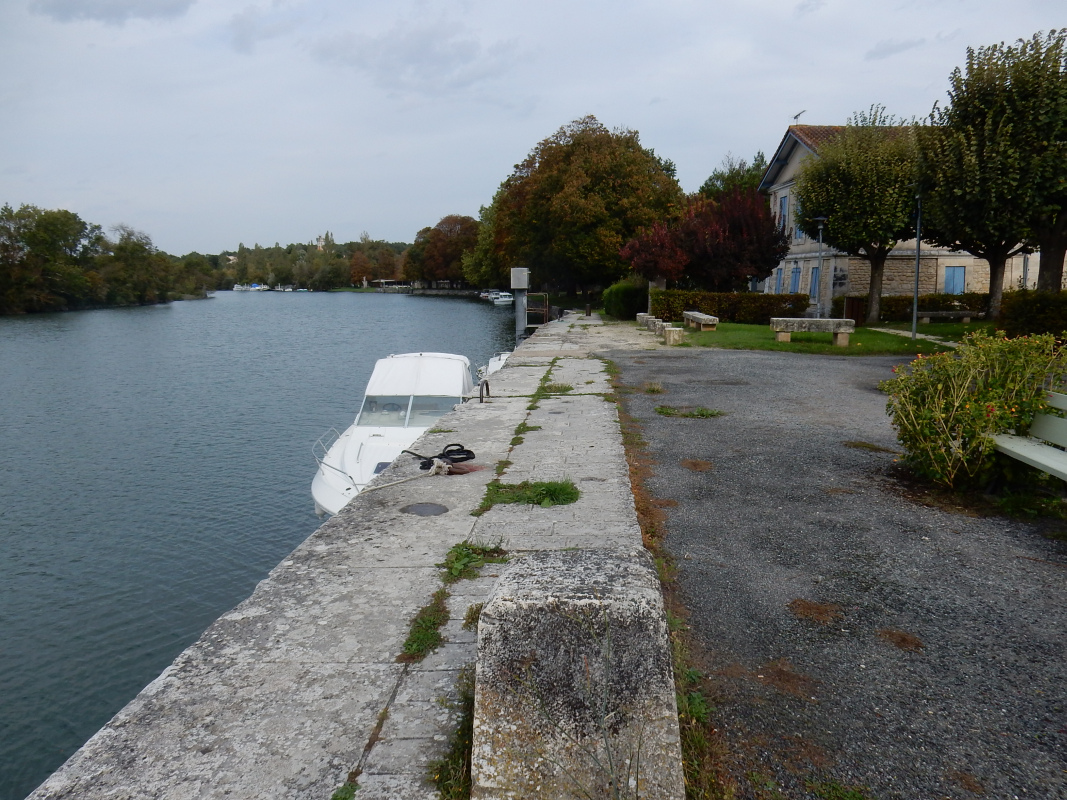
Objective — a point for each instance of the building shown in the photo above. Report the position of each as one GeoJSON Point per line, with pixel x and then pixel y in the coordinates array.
{"type": "Point", "coordinates": [940, 270]}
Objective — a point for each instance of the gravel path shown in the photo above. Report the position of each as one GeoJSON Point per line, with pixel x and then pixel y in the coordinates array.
{"type": "Point", "coordinates": [802, 564]}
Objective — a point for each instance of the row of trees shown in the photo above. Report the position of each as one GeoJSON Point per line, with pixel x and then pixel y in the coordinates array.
{"type": "Point", "coordinates": [590, 206]}
{"type": "Point", "coordinates": [989, 168]}
{"type": "Point", "coordinates": [52, 260]}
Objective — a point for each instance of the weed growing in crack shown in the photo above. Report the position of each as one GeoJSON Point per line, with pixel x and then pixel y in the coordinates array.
{"type": "Point", "coordinates": [535, 493]}
{"type": "Point", "coordinates": [690, 413]}
{"type": "Point", "coordinates": [464, 559]}
{"type": "Point", "coordinates": [452, 773]}
{"type": "Point", "coordinates": [470, 619]}
{"type": "Point", "coordinates": [425, 634]}
{"type": "Point", "coordinates": [653, 387]}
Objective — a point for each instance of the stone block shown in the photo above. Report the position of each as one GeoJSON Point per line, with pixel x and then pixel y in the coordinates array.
{"type": "Point", "coordinates": [574, 666]}
{"type": "Point", "coordinates": [650, 323]}
{"type": "Point", "coordinates": [672, 335]}
{"type": "Point", "coordinates": [641, 318]}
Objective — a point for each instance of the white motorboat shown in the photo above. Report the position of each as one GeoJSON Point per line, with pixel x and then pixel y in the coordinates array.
{"type": "Point", "coordinates": [503, 298]}
{"type": "Point", "coordinates": [495, 364]}
{"type": "Point", "coordinates": [405, 396]}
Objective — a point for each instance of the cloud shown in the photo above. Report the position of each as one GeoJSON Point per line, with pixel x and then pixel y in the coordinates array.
{"type": "Point", "coordinates": [809, 6]}
{"type": "Point", "coordinates": [425, 56]}
{"type": "Point", "coordinates": [888, 47]}
{"type": "Point", "coordinates": [253, 25]}
{"type": "Point", "coordinates": [113, 12]}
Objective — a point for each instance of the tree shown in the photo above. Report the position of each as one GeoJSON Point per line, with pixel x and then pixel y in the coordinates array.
{"type": "Point", "coordinates": [974, 193]}
{"type": "Point", "coordinates": [568, 208]}
{"type": "Point", "coordinates": [1011, 101]}
{"type": "Point", "coordinates": [716, 245]}
{"type": "Point", "coordinates": [734, 174]}
{"type": "Point", "coordinates": [863, 183]}
{"type": "Point", "coordinates": [437, 254]}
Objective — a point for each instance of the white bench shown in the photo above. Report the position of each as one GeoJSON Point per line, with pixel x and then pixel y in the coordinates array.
{"type": "Point", "coordinates": [695, 319]}
{"type": "Point", "coordinates": [840, 328]}
{"type": "Point", "coordinates": [1036, 449]}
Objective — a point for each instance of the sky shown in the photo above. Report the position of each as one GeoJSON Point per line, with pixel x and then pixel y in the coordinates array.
{"type": "Point", "coordinates": [210, 123]}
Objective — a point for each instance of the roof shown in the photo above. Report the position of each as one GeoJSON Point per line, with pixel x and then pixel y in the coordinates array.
{"type": "Point", "coordinates": [808, 137]}
{"type": "Point", "coordinates": [425, 374]}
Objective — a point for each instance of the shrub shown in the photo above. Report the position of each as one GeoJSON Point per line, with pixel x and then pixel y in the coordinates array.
{"type": "Point", "coordinates": [1025, 312]}
{"type": "Point", "coordinates": [625, 300]}
{"type": "Point", "coordinates": [754, 308]}
{"type": "Point", "coordinates": [898, 307]}
{"type": "Point", "coordinates": [946, 407]}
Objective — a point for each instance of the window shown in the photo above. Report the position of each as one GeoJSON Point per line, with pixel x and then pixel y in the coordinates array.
{"type": "Point", "coordinates": [783, 211]}
{"type": "Point", "coordinates": [794, 279]}
{"type": "Point", "coordinates": [778, 281]}
{"type": "Point", "coordinates": [955, 280]}
{"type": "Point", "coordinates": [797, 233]}
{"type": "Point", "coordinates": [813, 289]}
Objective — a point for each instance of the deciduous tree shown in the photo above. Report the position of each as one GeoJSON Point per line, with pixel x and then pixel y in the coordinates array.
{"type": "Point", "coordinates": [568, 208]}
{"type": "Point", "coordinates": [863, 183]}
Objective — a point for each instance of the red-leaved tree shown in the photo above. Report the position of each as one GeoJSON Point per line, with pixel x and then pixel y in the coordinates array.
{"type": "Point", "coordinates": [716, 245]}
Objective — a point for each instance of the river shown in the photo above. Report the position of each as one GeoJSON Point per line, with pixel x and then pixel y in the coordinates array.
{"type": "Point", "coordinates": [155, 464]}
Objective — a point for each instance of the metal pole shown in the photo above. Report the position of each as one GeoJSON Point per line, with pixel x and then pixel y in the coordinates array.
{"type": "Point", "coordinates": [918, 250]}
{"type": "Point", "coordinates": [520, 314]}
{"type": "Point", "coordinates": [822, 277]}
{"type": "Point", "coordinates": [1026, 271]}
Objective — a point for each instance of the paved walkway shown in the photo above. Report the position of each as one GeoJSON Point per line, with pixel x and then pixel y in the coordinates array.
{"type": "Point", "coordinates": [281, 697]}
{"type": "Point", "coordinates": [926, 336]}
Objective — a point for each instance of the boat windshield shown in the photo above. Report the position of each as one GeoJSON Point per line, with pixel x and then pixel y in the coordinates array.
{"type": "Point", "coordinates": [396, 411]}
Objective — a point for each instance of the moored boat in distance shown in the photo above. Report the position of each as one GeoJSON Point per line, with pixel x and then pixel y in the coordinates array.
{"type": "Point", "coordinates": [405, 395]}
{"type": "Point", "coordinates": [503, 298]}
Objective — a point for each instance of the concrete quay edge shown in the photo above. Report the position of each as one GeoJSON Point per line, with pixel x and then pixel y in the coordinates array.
{"type": "Point", "coordinates": [282, 695]}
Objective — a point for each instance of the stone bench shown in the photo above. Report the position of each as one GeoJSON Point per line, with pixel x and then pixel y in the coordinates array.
{"type": "Point", "coordinates": [962, 316]}
{"type": "Point", "coordinates": [695, 319]}
{"type": "Point", "coordinates": [1037, 449]}
{"type": "Point", "coordinates": [574, 688]}
{"type": "Point", "coordinates": [840, 328]}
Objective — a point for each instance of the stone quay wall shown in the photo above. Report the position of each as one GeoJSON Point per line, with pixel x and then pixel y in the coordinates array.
{"type": "Point", "coordinates": [299, 688]}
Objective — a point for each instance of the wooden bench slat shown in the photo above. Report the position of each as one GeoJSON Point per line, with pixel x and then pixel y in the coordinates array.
{"type": "Point", "coordinates": [1057, 400]}
{"type": "Point", "coordinates": [1051, 429]}
{"type": "Point", "coordinates": [1032, 452]}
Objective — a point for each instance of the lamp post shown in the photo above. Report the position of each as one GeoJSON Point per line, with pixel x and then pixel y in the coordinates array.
{"type": "Point", "coordinates": [918, 250]}
{"type": "Point", "coordinates": [819, 306]}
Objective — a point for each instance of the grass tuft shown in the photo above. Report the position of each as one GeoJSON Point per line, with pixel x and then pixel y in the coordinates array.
{"type": "Point", "coordinates": [425, 634]}
{"type": "Point", "coordinates": [653, 387]}
{"type": "Point", "coordinates": [690, 413]}
{"type": "Point", "coordinates": [464, 560]}
{"type": "Point", "coordinates": [452, 773]}
{"type": "Point", "coordinates": [535, 493]}
{"type": "Point", "coordinates": [470, 619]}
{"type": "Point", "coordinates": [870, 447]}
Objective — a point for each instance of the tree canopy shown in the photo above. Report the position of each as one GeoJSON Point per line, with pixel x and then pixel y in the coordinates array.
{"type": "Point", "coordinates": [863, 183]}
{"type": "Point", "coordinates": [716, 245]}
{"type": "Point", "coordinates": [437, 254]}
{"type": "Point", "coordinates": [568, 208]}
{"type": "Point", "coordinates": [734, 174]}
{"type": "Point", "coordinates": [1004, 148]}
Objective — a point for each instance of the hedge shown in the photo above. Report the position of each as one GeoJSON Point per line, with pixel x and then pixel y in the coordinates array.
{"type": "Point", "coordinates": [625, 300]}
{"type": "Point", "coordinates": [898, 307]}
{"type": "Point", "coordinates": [1025, 312]}
{"type": "Point", "coordinates": [753, 308]}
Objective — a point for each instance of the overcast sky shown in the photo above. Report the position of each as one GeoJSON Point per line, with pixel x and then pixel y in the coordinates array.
{"type": "Point", "coordinates": [206, 123]}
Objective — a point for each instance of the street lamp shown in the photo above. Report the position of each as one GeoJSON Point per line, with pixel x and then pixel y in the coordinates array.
{"type": "Point", "coordinates": [819, 306]}
{"type": "Point", "coordinates": [918, 250]}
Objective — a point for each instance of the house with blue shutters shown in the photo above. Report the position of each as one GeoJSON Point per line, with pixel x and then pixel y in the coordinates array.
{"type": "Point", "coordinates": [838, 274]}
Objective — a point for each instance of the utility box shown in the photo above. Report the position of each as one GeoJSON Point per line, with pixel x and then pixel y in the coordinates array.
{"type": "Point", "coordinates": [520, 278]}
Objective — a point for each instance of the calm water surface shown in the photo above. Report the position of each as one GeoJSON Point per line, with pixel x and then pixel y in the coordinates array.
{"type": "Point", "coordinates": [155, 464]}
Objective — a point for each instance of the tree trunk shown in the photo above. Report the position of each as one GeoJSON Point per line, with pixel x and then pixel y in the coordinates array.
{"type": "Point", "coordinates": [874, 297]}
{"type": "Point", "coordinates": [1053, 246]}
{"type": "Point", "coordinates": [996, 285]}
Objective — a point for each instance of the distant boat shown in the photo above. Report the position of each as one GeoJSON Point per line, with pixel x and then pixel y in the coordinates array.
{"type": "Point", "coordinates": [405, 395]}
{"type": "Point", "coordinates": [503, 299]}
{"type": "Point", "coordinates": [242, 287]}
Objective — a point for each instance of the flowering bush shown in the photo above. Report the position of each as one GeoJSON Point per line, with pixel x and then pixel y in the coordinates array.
{"type": "Point", "coordinates": [946, 407]}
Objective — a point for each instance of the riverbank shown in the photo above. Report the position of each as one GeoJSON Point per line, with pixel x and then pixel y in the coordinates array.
{"type": "Point", "coordinates": [299, 686]}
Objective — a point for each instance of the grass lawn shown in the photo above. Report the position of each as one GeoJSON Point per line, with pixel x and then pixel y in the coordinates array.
{"type": "Point", "coordinates": [953, 331]}
{"type": "Point", "coordinates": [864, 342]}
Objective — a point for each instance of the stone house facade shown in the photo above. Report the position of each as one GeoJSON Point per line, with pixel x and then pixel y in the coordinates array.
{"type": "Point", "coordinates": [940, 270]}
